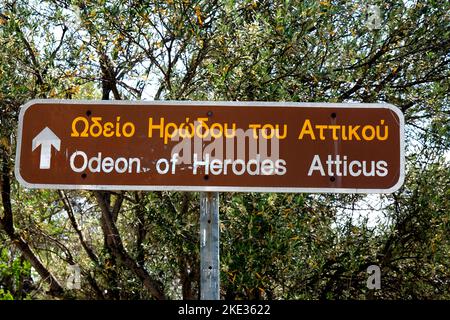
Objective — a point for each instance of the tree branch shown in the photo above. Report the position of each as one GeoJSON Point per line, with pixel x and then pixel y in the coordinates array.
{"type": "Point", "coordinates": [73, 221]}
{"type": "Point", "coordinates": [115, 242]}
{"type": "Point", "coordinates": [6, 223]}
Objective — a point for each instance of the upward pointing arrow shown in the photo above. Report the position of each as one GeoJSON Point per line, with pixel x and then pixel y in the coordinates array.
{"type": "Point", "coordinates": [46, 139]}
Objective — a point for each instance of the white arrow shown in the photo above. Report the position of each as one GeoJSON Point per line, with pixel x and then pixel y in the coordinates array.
{"type": "Point", "coordinates": [46, 139]}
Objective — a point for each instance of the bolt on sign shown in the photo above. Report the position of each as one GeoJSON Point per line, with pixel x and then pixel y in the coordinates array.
{"type": "Point", "coordinates": [210, 146]}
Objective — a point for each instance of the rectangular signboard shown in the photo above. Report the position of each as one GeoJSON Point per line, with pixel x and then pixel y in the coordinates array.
{"type": "Point", "coordinates": [210, 146]}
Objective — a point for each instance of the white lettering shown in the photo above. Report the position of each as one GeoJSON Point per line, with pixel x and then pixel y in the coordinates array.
{"type": "Point", "coordinates": [72, 161]}
{"type": "Point", "coordinates": [166, 166]}
{"type": "Point", "coordinates": [340, 166]}
{"type": "Point", "coordinates": [97, 164]}
{"type": "Point", "coordinates": [316, 165]}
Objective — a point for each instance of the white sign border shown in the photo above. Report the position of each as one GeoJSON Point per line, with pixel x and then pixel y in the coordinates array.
{"type": "Point", "coordinates": [211, 188]}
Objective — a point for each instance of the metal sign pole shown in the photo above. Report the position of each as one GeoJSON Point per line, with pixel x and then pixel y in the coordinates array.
{"type": "Point", "coordinates": [209, 246]}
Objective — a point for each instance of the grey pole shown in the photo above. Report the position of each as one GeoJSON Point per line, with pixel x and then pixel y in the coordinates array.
{"type": "Point", "coordinates": [209, 246]}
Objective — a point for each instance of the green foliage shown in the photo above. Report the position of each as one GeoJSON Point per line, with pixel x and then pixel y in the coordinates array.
{"type": "Point", "coordinates": [5, 295]}
{"type": "Point", "coordinates": [13, 271]}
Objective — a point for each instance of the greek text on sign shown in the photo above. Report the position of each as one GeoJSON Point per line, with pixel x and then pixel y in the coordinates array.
{"type": "Point", "coordinates": [210, 146]}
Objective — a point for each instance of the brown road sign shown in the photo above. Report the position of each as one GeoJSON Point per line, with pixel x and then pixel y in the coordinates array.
{"type": "Point", "coordinates": [210, 146]}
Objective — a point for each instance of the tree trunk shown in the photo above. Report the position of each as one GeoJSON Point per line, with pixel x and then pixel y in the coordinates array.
{"type": "Point", "coordinates": [6, 223]}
